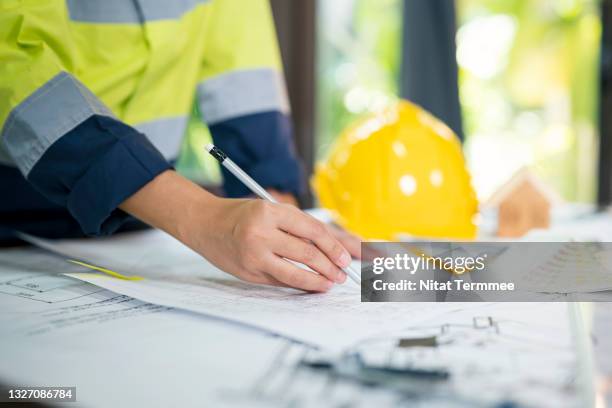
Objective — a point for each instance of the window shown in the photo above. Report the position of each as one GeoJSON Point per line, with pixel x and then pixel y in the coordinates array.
{"type": "Point", "coordinates": [358, 50]}
{"type": "Point", "coordinates": [194, 162]}
{"type": "Point", "coordinates": [528, 89]}
{"type": "Point", "coordinates": [527, 80]}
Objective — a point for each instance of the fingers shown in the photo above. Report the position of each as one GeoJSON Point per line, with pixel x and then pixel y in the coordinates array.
{"type": "Point", "coordinates": [304, 226]}
{"type": "Point", "coordinates": [349, 241]}
{"type": "Point", "coordinates": [267, 233]}
{"type": "Point", "coordinates": [289, 274]}
{"type": "Point", "coordinates": [286, 198]}
{"type": "Point", "coordinates": [298, 250]}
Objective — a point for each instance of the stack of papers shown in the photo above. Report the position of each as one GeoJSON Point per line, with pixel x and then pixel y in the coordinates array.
{"type": "Point", "coordinates": [334, 320]}
{"type": "Point", "coordinates": [65, 330]}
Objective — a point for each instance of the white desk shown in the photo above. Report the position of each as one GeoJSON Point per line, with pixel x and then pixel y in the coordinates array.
{"type": "Point", "coordinates": [122, 352]}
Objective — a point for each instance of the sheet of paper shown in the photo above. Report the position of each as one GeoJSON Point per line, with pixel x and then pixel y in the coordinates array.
{"type": "Point", "coordinates": [36, 302]}
{"type": "Point", "coordinates": [539, 267]}
{"type": "Point", "coordinates": [118, 351]}
{"type": "Point", "coordinates": [334, 320]}
{"type": "Point", "coordinates": [177, 277]}
{"type": "Point", "coordinates": [122, 352]}
{"type": "Point", "coordinates": [523, 352]}
{"type": "Point", "coordinates": [561, 267]}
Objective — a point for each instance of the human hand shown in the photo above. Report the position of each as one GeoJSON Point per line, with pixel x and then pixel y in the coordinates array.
{"type": "Point", "coordinates": [254, 241]}
{"type": "Point", "coordinates": [350, 241]}
{"type": "Point", "coordinates": [286, 198]}
{"type": "Point", "coordinates": [249, 239]}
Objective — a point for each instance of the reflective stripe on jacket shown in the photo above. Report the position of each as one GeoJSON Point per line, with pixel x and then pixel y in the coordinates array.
{"type": "Point", "coordinates": [138, 60]}
{"type": "Point", "coordinates": [87, 70]}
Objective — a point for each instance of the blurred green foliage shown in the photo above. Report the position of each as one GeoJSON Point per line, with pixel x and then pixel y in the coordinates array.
{"type": "Point", "coordinates": [194, 163]}
{"type": "Point", "coordinates": [358, 43]}
{"type": "Point", "coordinates": [529, 90]}
{"type": "Point", "coordinates": [528, 86]}
{"type": "Point", "coordinates": [528, 83]}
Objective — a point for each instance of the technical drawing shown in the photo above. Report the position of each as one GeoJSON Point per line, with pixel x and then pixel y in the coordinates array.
{"type": "Point", "coordinates": [490, 362]}
{"type": "Point", "coordinates": [48, 288]}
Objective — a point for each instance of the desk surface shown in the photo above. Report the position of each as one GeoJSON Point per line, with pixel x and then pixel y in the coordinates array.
{"type": "Point", "coordinates": [119, 351]}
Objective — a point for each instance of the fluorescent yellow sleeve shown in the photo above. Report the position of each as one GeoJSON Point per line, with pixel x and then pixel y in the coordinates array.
{"type": "Point", "coordinates": [241, 35]}
{"type": "Point", "coordinates": [35, 46]}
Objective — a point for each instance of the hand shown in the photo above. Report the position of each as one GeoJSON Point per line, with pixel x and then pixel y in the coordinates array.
{"type": "Point", "coordinates": [248, 238]}
{"type": "Point", "coordinates": [286, 198]}
{"type": "Point", "coordinates": [251, 238]}
{"type": "Point", "coordinates": [351, 242]}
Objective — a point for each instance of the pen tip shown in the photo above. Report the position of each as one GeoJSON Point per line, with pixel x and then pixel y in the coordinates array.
{"type": "Point", "coordinates": [209, 147]}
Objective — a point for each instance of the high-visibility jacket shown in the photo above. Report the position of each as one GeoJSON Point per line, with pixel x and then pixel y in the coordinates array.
{"type": "Point", "coordinates": [81, 82]}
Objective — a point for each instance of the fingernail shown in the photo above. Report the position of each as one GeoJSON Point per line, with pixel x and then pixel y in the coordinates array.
{"type": "Point", "coordinates": [344, 260]}
{"type": "Point", "coordinates": [341, 278]}
{"type": "Point", "coordinates": [329, 285]}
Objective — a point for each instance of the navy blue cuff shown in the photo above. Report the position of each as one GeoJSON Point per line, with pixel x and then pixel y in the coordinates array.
{"type": "Point", "coordinates": [262, 145]}
{"type": "Point", "coordinates": [94, 168]}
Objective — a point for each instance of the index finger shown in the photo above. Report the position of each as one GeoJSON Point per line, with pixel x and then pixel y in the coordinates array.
{"type": "Point", "coordinates": [304, 226]}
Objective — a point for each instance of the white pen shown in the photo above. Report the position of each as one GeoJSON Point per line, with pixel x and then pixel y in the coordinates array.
{"type": "Point", "coordinates": [259, 190]}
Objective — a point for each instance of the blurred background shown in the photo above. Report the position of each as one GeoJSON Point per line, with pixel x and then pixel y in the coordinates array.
{"type": "Point", "coordinates": [518, 80]}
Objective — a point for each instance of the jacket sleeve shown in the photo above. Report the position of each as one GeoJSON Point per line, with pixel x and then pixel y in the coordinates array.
{"type": "Point", "coordinates": [242, 96]}
{"type": "Point", "coordinates": [62, 138]}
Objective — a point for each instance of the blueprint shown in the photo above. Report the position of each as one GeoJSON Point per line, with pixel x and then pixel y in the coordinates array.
{"type": "Point", "coordinates": [175, 276]}
{"type": "Point", "coordinates": [57, 331]}
{"type": "Point", "coordinates": [120, 351]}
{"type": "Point", "coordinates": [334, 320]}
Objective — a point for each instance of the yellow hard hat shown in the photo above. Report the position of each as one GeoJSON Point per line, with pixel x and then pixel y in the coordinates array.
{"type": "Point", "coordinates": [398, 173]}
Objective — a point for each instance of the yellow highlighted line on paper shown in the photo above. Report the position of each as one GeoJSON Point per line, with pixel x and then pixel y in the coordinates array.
{"type": "Point", "coordinates": [106, 271]}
